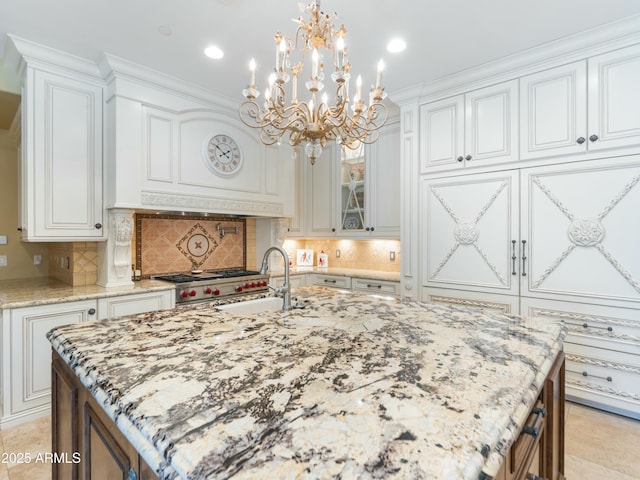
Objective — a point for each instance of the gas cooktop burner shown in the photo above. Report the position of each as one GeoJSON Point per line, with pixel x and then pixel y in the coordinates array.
{"type": "Point", "coordinates": [206, 275]}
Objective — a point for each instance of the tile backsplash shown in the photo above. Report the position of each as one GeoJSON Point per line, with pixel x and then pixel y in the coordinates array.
{"type": "Point", "coordinates": [74, 263]}
{"type": "Point", "coordinates": [176, 243]}
{"type": "Point", "coordinates": [360, 254]}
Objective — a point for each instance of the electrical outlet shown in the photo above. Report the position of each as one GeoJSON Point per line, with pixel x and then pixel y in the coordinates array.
{"type": "Point", "coordinates": [392, 256]}
{"type": "Point", "coordinates": [3, 260]}
{"type": "Point", "coordinates": [337, 253]}
{"type": "Point", "coordinates": [37, 259]}
{"type": "Point", "coordinates": [3, 239]}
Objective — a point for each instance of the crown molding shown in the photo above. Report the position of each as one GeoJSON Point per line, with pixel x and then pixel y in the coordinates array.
{"type": "Point", "coordinates": [114, 68]}
{"type": "Point", "coordinates": [568, 49]}
{"type": "Point", "coordinates": [21, 52]}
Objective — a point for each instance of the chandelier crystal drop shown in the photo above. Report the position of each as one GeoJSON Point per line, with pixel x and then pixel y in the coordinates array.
{"type": "Point", "coordinates": [314, 121]}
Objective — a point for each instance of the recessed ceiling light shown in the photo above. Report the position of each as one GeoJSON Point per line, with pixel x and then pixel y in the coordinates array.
{"type": "Point", "coordinates": [396, 45]}
{"type": "Point", "coordinates": [165, 30]}
{"type": "Point", "coordinates": [213, 52]}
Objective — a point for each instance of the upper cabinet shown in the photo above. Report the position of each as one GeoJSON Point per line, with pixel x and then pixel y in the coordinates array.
{"type": "Point", "coordinates": [583, 106]}
{"type": "Point", "coordinates": [476, 128]}
{"type": "Point", "coordinates": [61, 166]}
{"type": "Point", "coordinates": [369, 192]}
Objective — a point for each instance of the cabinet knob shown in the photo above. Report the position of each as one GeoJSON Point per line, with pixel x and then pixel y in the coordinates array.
{"type": "Point", "coordinates": [132, 475]}
{"type": "Point", "coordinates": [98, 226]}
{"type": "Point", "coordinates": [367, 229]}
{"type": "Point", "coordinates": [468, 157]}
{"type": "Point", "coordinates": [460, 158]}
{"type": "Point", "coordinates": [593, 138]}
{"type": "Point", "coordinates": [91, 311]}
{"type": "Point", "coordinates": [20, 229]}
{"type": "Point", "coordinates": [581, 140]}
{"type": "Point", "coordinates": [333, 229]}
{"type": "Point", "coordinates": [373, 228]}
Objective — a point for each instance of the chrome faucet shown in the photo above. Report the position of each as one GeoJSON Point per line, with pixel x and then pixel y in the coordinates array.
{"type": "Point", "coordinates": [286, 288]}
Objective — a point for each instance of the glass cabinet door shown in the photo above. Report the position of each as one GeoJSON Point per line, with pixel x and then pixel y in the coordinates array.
{"type": "Point", "coordinates": [352, 189]}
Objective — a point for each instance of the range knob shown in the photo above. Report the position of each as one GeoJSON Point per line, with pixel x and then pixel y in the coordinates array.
{"type": "Point", "coordinates": [192, 293]}
{"type": "Point", "coordinates": [184, 294]}
{"type": "Point", "coordinates": [247, 285]}
{"type": "Point", "coordinates": [253, 284]}
{"type": "Point", "coordinates": [207, 291]}
{"type": "Point", "coordinates": [238, 289]}
{"type": "Point", "coordinates": [216, 292]}
{"type": "Point", "coordinates": [264, 283]}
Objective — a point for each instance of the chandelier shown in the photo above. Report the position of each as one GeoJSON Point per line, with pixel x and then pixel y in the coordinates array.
{"type": "Point", "coordinates": [313, 122]}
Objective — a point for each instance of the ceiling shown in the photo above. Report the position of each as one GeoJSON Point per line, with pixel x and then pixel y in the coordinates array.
{"type": "Point", "coordinates": [443, 37]}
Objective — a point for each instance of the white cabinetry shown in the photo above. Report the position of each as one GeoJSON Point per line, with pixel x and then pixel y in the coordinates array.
{"type": "Point", "coordinates": [61, 174]}
{"type": "Point", "coordinates": [469, 226]}
{"type": "Point", "coordinates": [26, 356]}
{"type": "Point", "coordinates": [122, 305]}
{"type": "Point", "coordinates": [602, 352]}
{"type": "Point", "coordinates": [369, 191]}
{"type": "Point", "coordinates": [320, 194]}
{"type": "Point", "coordinates": [583, 106]}
{"type": "Point", "coordinates": [374, 286]}
{"type": "Point", "coordinates": [477, 128]}
{"type": "Point", "coordinates": [326, 280]}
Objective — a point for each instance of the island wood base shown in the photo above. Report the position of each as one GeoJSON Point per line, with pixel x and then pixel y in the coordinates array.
{"type": "Point", "coordinates": [80, 426]}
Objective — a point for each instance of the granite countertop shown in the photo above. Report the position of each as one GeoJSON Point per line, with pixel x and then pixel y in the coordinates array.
{"type": "Point", "coordinates": [342, 272]}
{"type": "Point", "coordinates": [29, 292]}
{"type": "Point", "coordinates": [349, 387]}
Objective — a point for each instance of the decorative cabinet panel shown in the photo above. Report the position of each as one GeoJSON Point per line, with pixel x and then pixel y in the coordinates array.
{"type": "Point", "coordinates": [469, 226]}
{"type": "Point", "coordinates": [380, 287]}
{"type": "Point", "coordinates": [477, 128]}
{"type": "Point", "coordinates": [61, 174]}
{"type": "Point", "coordinates": [614, 99]}
{"type": "Point", "coordinates": [337, 281]}
{"type": "Point", "coordinates": [554, 106]}
{"type": "Point", "coordinates": [320, 199]}
{"type": "Point", "coordinates": [602, 349]}
{"type": "Point", "coordinates": [509, 304]}
{"type": "Point", "coordinates": [582, 231]}
{"type": "Point", "coordinates": [553, 111]}
{"type": "Point", "coordinates": [122, 305]}
{"type": "Point", "coordinates": [369, 187]}
{"type": "Point", "coordinates": [26, 373]}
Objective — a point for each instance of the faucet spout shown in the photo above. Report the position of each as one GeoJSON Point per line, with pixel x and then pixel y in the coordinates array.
{"type": "Point", "coordinates": [286, 288]}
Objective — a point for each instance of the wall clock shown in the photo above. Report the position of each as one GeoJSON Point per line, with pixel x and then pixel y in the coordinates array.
{"type": "Point", "coordinates": [222, 154]}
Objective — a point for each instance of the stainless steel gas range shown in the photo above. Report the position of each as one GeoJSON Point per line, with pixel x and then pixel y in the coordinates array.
{"type": "Point", "coordinates": [210, 285]}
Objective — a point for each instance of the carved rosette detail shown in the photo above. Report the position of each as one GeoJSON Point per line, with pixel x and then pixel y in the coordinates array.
{"type": "Point", "coordinates": [466, 233]}
{"type": "Point", "coordinates": [586, 232]}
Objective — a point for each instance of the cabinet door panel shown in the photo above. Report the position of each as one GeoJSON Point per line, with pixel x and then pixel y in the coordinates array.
{"type": "Point", "coordinates": [65, 153]}
{"type": "Point", "coordinates": [384, 192]}
{"type": "Point", "coordinates": [321, 194]}
{"type": "Point", "coordinates": [491, 123]}
{"type": "Point", "coordinates": [442, 125]}
{"type": "Point", "coordinates": [582, 230]}
{"type": "Point", "coordinates": [468, 226]}
{"type": "Point", "coordinates": [614, 98]}
{"type": "Point", "coordinates": [553, 111]}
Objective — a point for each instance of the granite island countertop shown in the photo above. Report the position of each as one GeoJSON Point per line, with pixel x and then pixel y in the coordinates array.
{"type": "Point", "coordinates": [349, 387]}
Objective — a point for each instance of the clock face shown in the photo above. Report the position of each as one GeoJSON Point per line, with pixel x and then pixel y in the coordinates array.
{"type": "Point", "coordinates": [223, 154]}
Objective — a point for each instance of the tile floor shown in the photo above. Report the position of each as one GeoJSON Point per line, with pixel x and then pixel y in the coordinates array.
{"type": "Point", "coordinates": [599, 446]}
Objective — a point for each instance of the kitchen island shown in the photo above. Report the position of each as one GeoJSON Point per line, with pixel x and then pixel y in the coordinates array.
{"type": "Point", "coordinates": [351, 386]}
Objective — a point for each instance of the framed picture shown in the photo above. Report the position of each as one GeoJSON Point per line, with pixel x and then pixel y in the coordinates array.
{"type": "Point", "coordinates": [304, 257]}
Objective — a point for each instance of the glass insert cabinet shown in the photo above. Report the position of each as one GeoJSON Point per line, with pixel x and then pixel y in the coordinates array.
{"type": "Point", "coordinates": [353, 170]}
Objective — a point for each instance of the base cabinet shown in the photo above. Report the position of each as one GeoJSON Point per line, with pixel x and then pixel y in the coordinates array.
{"type": "Point", "coordinates": [26, 384]}
{"type": "Point", "coordinates": [84, 434]}
{"type": "Point", "coordinates": [538, 451]}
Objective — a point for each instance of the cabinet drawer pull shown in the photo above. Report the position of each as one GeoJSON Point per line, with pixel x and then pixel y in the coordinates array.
{"type": "Point", "coordinates": [91, 311]}
{"type": "Point", "coordinates": [524, 257]}
{"type": "Point", "coordinates": [581, 140]}
{"type": "Point", "coordinates": [587, 374]}
{"type": "Point", "coordinates": [513, 257]}
{"type": "Point", "coordinates": [329, 281]}
{"type": "Point", "coordinates": [374, 285]}
{"type": "Point", "coordinates": [586, 325]}
{"type": "Point", "coordinates": [534, 430]}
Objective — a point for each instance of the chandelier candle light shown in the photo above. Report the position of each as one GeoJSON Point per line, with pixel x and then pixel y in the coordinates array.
{"type": "Point", "coordinates": [313, 122]}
